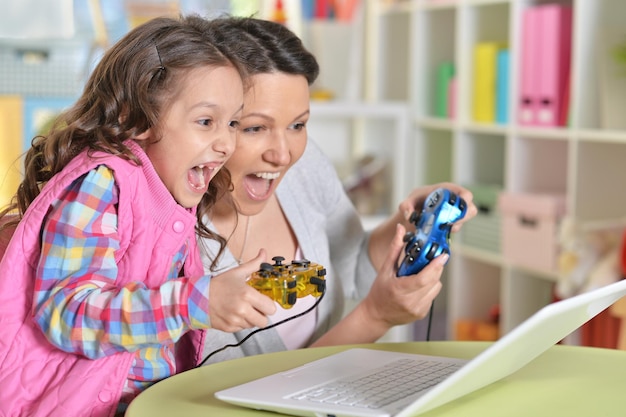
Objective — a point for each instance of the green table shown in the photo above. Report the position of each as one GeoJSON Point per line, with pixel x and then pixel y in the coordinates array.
{"type": "Point", "coordinates": [564, 381]}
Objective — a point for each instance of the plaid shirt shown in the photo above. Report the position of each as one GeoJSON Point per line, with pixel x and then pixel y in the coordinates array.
{"type": "Point", "coordinates": [77, 303]}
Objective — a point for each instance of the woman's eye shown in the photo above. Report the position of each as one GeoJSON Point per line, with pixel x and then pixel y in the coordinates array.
{"type": "Point", "coordinates": [252, 129]}
{"type": "Point", "coordinates": [233, 124]}
{"type": "Point", "coordinates": [298, 126]}
{"type": "Point", "coordinates": [205, 122]}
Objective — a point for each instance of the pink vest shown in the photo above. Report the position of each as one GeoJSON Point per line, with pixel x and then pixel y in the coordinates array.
{"type": "Point", "coordinates": [36, 378]}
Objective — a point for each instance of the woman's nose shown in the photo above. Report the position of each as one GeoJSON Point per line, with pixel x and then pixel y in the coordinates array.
{"type": "Point", "coordinates": [278, 153]}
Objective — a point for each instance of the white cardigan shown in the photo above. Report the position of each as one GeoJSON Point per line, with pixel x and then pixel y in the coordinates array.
{"type": "Point", "coordinates": [329, 232]}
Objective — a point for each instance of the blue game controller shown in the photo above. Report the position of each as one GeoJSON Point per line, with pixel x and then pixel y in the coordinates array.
{"type": "Point", "coordinates": [432, 230]}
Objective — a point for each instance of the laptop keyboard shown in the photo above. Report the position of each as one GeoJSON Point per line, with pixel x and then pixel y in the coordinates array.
{"type": "Point", "coordinates": [385, 385]}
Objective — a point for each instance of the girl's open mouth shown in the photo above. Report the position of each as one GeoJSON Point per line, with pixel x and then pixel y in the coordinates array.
{"type": "Point", "coordinates": [199, 177]}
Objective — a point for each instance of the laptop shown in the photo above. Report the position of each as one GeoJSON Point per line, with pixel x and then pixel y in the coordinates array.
{"type": "Point", "coordinates": [299, 391]}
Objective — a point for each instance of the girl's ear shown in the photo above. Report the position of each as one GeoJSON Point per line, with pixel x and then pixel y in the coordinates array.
{"type": "Point", "coordinates": [143, 136]}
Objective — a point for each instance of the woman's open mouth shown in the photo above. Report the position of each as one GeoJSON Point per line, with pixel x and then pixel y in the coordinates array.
{"type": "Point", "coordinates": [259, 185]}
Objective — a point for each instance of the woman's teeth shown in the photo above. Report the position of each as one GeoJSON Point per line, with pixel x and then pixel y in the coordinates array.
{"type": "Point", "coordinates": [268, 175]}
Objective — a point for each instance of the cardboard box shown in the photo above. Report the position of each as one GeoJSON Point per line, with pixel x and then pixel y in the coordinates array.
{"type": "Point", "coordinates": [530, 224]}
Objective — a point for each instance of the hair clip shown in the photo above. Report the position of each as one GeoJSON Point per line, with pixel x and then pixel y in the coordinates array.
{"type": "Point", "coordinates": [161, 67]}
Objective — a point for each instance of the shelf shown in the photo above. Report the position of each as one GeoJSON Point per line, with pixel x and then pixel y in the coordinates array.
{"type": "Point", "coordinates": [396, 7]}
{"type": "Point", "coordinates": [438, 4]}
{"type": "Point", "coordinates": [582, 161]}
{"type": "Point", "coordinates": [391, 110]}
{"type": "Point", "coordinates": [485, 128]}
{"type": "Point", "coordinates": [602, 136]}
{"type": "Point", "coordinates": [543, 133]}
{"type": "Point", "coordinates": [480, 255]}
{"type": "Point", "coordinates": [435, 123]}
{"type": "Point", "coordinates": [348, 131]}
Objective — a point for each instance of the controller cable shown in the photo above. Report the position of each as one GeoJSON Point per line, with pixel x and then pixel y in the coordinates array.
{"type": "Point", "coordinates": [430, 320]}
{"type": "Point", "coordinates": [263, 328]}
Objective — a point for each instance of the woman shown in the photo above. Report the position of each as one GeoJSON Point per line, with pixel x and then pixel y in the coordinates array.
{"type": "Point", "coordinates": [290, 202]}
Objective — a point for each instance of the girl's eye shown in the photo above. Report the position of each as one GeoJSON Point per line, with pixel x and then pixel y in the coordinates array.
{"type": "Point", "coordinates": [233, 124]}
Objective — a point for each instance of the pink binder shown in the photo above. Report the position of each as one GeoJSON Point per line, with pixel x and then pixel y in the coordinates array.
{"type": "Point", "coordinates": [530, 67]}
{"type": "Point", "coordinates": [322, 9]}
{"type": "Point", "coordinates": [554, 58]}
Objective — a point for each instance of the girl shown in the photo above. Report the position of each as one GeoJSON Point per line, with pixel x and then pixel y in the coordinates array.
{"type": "Point", "coordinates": [102, 276]}
{"type": "Point", "coordinates": [290, 202]}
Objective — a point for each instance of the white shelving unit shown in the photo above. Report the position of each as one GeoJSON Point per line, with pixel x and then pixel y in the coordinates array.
{"type": "Point", "coordinates": [349, 130]}
{"type": "Point", "coordinates": [406, 41]}
{"type": "Point", "coordinates": [381, 129]}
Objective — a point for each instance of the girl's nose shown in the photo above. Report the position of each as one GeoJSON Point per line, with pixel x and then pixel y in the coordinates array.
{"type": "Point", "coordinates": [225, 144]}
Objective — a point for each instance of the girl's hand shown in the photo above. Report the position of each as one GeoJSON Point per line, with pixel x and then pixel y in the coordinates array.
{"type": "Point", "coordinates": [233, 304]}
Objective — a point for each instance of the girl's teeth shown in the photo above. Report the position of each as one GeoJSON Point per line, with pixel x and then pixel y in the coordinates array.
{"type": "Point", "coordinates": [200, 172]}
